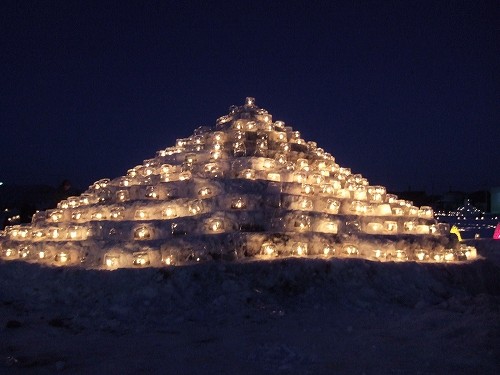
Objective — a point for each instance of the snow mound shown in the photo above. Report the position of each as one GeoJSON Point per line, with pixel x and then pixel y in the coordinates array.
{"type": "Point", "coordinates": [290, 316]}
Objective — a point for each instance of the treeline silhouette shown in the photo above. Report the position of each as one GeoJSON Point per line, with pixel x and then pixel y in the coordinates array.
{"type": "Point", "coordinates": [25, 200]}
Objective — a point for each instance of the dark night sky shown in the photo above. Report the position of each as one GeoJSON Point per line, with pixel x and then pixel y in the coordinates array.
{"type": "Point", "coordinates": [404, 92]}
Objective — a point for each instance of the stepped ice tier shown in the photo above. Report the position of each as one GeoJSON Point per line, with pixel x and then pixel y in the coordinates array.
{"type": "Point", "coordinates": [247, 187]}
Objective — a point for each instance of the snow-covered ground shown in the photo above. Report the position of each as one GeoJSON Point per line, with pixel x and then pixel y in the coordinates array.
{"type": "Point", "coordinates": [287, 316]}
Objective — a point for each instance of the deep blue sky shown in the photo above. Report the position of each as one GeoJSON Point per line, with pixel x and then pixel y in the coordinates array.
{"type": "Point", "coordinates": [404, 92]}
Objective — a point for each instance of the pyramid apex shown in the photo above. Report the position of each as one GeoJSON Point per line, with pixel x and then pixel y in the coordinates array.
{"type": "Point", "coordinates": [249, 111]}
{"type": "Point", "coordinates": [249, 101]}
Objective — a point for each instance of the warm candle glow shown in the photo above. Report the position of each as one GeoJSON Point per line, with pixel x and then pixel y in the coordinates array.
{"type": "Point", "coordinates": [116, 213]}
{"type": "Point", "coordinates": [302, 223]}
{"type": "Point", "coordinates": [245, 186]}
{"type": "Point", "coordinates": [299, 248]}
{"type": "Point", "coordinates": [74, 232]}
{"type": "Point", "coordinates": [141, 259]}
{"type": "Point", "coordinates": [195, 207]}
{"type": "Point", "coordinates": [349, 249]}
{"type": "Point", "coordinates": [122, 195]}
{"type": "Point", "coordinates": [168, 260]}
{"type": "Point", "coordinates": [421, 255]}
{"type": "Point", "coordinates": [216, 225]}
{"type": "Point", "coordinates": [307, 189]}
{"type": "Point", "coordinates": [142, 233]}
{"type": "Point", "coordinates": [333, 206]}
{"type": "Point", "coordinates": [54, 233]}
{"type": "Point", "coordinates": [269, 249]}
{"type": "Point", "coordinates": [328, 250]}
{"type": "Point", "coordinates": [170, 212]}
{"type": "Point", "coordinates": [248, 174]}
{"type": "Point", "coordinates": [152, 192]}
{"type": "Point", "coordinates": [305, 204]}
{"type": "Point", "coordinates": [112, 260]}
{"type": "Point", "coordinates": [183, 176]}
{"type": "Point", "coordinates": [238, 203]}
{"type": "Point", "coordinates": [98, 215]}
{"type": "Point", "coordinates": [391, 226]}
{"type": "Point", "coordinates": [56, 216]}
{"type": "Point", "coordinates": [62, 257]}
{"type": "Point", "coordinates": [205, 192]}
{"type": "Point", "coordinates": [141, 215]}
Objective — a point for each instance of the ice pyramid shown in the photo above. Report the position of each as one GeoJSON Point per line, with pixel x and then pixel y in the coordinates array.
{"type": "Point", "coordinates": [247, 187]}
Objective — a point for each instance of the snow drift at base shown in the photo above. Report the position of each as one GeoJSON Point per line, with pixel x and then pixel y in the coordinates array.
{"type": "Point", "coordinates": [285, 316]}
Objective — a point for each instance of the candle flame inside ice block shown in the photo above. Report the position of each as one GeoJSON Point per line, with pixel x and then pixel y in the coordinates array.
{"type": "Point", "coordinates": [268, 249]}
{"type": "Point", "coordinates": [305, 204]}
{"type": "Point", "coordinates": [112, 260]}
{"type": "Point", "coordinates": [141, 214]}
{"type": "Point", "coordinates": [391, 227]}
{"type": "Point", "coordinates": [169, 212]}
{"type": "Point", "coordinates": [152, 192]}
{"type": "Point", "coordinates": [54, 233]}
{"type": "Point", "coordinates": [56, 216]}
{"type": "Point", "coordinates": [307, 189]}
{"type": "Point", "coordinates": [167, 260]}
{"type": "Point", "coordinates": [183, 176]}
{"type": "Point", "coordinates": [122, 195]}
{"type": "Point", "coordinates": [74, 233]}
{"type": "Point", "coordinates": [421, 254]}
{"type": "Point", "coordinates": [205, 192]}
{"type": "Point", "coordinates": [426, 212]}
{"type": "Point", "coordinates": [141, 259]}
{"type": "Point", "coordinates": [116, 213]}
{"type": "Point", "coordinates": [142, 233]}
{"type": "Point", "coordinates": [248, 174]}
{"type": "Point", "coordinates": [238, 203]}
{"type": "Point", "coordinates": [299, 248]}
{"type": "Point", "coordinates": [332, 206]}
{"type": "Point", "coordinates": [195, 207]}
{"type": "Point", "coordinates": [349, 249]}
{"type": "Point", "coordinates": [374, 227]}
{"type": "Point", "coordinates": [98, 215]}
{"type": "Point", "coordinates": [302, 223]}
{"type": "Point", "coordinates": [215, 225]}
{"type": "Point", "coordinates": [62, 257]}
{"type": "Point", "coordinates": [328, 250]}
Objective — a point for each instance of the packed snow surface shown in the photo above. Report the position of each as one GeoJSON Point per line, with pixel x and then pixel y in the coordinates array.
{"type": "Point", "coordinates": [285, 316]}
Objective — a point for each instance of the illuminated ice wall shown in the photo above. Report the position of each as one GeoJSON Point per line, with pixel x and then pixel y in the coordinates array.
{"type": "Point", "coordinates": [247, 187]}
